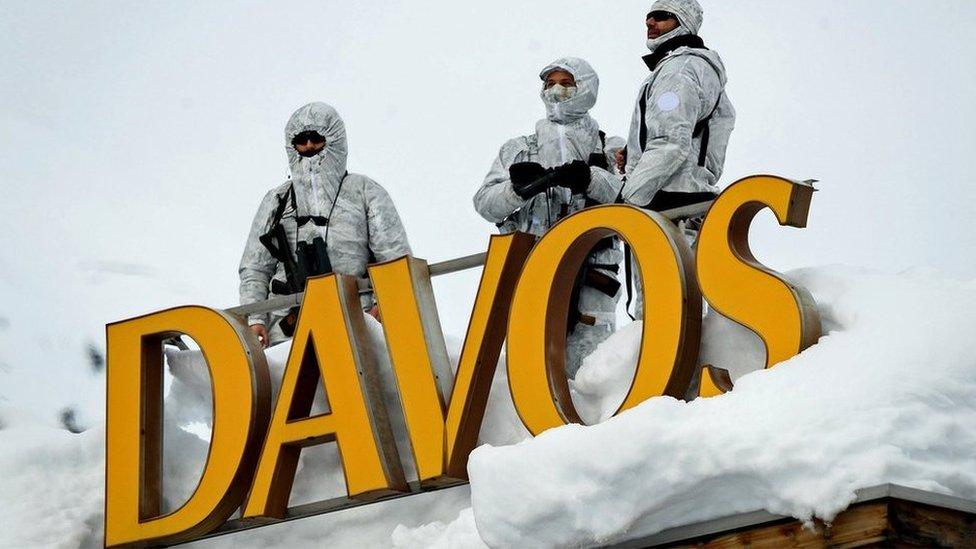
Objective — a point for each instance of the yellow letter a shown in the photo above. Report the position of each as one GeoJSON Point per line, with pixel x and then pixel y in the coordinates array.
{"type": "Point", "coordinates": [329, 340]}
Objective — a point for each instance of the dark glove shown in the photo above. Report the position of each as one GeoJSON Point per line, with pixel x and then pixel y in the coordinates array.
{"type": "Point", "coordinates": [530, 179]}
{"type": "Point", "coordinates": [574, 175]}
{"type": "Point", "coordinates": [523, 173]}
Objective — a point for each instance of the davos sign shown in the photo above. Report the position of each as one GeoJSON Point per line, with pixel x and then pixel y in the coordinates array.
{"type": "Point", "coordinates": [522, 298]}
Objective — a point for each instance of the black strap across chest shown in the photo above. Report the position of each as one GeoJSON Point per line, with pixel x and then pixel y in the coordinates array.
{"type": "Point", "coordinates": [301, 220]}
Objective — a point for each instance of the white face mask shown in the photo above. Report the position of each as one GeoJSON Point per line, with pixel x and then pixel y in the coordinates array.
{"type": "Point", "coordinates": [653, 43]}
{"type": "Point", "coordinates": [559, 93]}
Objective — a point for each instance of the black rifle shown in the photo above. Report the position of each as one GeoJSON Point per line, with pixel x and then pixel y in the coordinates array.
{"type": "Point", "coordinates": [276, 241]}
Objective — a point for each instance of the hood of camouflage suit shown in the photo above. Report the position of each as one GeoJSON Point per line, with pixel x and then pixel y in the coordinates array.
{"type": "Point", "coordinates": [614, 144]}
{"type": "Point", "coordinates": [689, 14]}
{"type": "Point", "coordinates": [316, 179]}
{"type": "Point", "coordinates": [568, 132]}
{"type": "Point", "coordinates": [587, 87]}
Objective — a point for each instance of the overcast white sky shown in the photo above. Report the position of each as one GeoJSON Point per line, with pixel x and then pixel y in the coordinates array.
{"type": "Point", "coordinates": [138, 138]}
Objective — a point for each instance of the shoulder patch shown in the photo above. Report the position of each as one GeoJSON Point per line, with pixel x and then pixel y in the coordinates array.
{"type": "Point", "coordinates": [668, 101]}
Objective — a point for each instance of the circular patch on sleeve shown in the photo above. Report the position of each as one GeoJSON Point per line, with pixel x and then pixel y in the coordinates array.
{"type": "Point", "coordinates": [668, 101]}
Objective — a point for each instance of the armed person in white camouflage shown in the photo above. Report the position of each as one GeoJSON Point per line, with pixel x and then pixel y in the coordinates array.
{"type": "Point", "coordinates": [683, 116]}
{"type": "Point", "coordinates": [681, 122]}
{"type": "Point", "coordinates": [322, 220]}
{"type": "Point", "coordinates": [538, 179]}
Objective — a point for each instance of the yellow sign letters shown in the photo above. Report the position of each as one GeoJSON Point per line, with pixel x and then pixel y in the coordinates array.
{"type": "Point", "coordinates": [523, 295]}
{"type": "Point", "coordinates": [133, 445]}
{"type": "Point", "coordinates": [537, 325]}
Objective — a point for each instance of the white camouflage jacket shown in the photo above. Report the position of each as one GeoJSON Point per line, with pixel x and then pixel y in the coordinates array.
{"type": "Point", "coordinates": [684, 88]}
{"type": "Point", "coordinates": [362, 219]}
{"type": "Point", "coordinates": [568, 133]}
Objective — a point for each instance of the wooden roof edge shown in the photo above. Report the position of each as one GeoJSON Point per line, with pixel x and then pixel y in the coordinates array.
{"type": "Point", "coordinates": [759, 517]}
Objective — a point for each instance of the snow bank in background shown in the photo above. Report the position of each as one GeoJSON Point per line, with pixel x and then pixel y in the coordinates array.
{"type": "Point", "coordinates": [51, 483]}
{"type": "Point", "coordinates": [437, 535]}
{"type": "Point", "coordinates": [887, 395]}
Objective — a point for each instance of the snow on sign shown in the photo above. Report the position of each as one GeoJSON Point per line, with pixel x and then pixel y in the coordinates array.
{"type": "Point", "coordinates": [523, 296]}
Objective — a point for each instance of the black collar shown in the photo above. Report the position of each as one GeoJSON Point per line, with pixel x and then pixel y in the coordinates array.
{"type": "Point", "coordinates": [690, 40]}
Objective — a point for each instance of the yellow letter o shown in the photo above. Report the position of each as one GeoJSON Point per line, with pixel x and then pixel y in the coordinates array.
{"type": "Point", "coordinates": [537, 323]}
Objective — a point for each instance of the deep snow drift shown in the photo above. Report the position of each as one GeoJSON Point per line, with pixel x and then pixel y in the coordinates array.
{"type": "Point", "coordinates": [887, 395]}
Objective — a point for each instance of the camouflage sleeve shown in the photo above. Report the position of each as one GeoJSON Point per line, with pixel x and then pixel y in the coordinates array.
{"type": "Point", "coordinates": [495, 200]}
{"type": "Point", "coordinates": [387, 237]}
{"type": "Point", "coordinates": [257, 265]}
{"type": "Point", "coordinates": [604, 186]}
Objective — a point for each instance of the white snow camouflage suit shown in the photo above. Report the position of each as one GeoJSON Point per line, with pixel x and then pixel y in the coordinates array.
{"type": "Point", "coordinates": [567, 133]}
{"type": "Point", "coordinates": [362, 219]}
{"type": "Point", "coordinates": [685, 87]}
